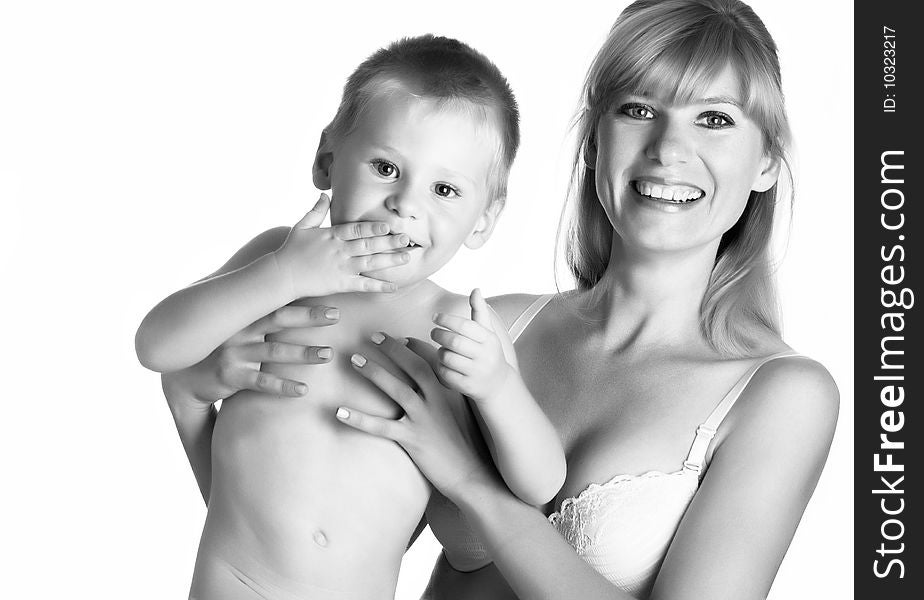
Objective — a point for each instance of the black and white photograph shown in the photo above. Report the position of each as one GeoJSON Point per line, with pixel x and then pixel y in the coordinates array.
{"type": "Point", "coordinates": [481, 300]}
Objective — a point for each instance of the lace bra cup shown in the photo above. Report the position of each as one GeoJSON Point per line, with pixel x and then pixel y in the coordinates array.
{"type": "Point", "coordinates": [622, 528]}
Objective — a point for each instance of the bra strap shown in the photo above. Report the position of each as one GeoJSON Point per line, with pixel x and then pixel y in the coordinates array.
{"type": "Point", "coordinates": [704, 433]}
{"type": "Point", "coordinates": [527, 316]}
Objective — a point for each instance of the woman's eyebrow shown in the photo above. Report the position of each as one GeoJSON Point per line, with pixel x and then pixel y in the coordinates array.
{"type": "Point", "coordinates": [718, 100]}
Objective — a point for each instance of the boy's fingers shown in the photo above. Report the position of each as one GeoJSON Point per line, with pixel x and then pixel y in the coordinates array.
{"type": "Point", "coordinates": [315, 216]}
{"type": "Point", "coordinates": [480, 310]}
{"type": "Point", "coordinates": [454, 361]}
{"type": "Point", "coordinates": [377, 426]}
{"type": "Point", "coordinates": [361, 283]}
{"type": "Point", "coordinates": [466, 327]}
{"type": "Point", "coordinates": [375, 244]}
{"type": "Point", "coordinates": [281, 352]}
{"type": "Point", "coordinates": [377, 262]}
{"type": "Point", "coordinates": [361, 229]}
{"type": "Point", "coordinates": [451, 379]}
{"type": "Point", "coordinates": [459, 344]}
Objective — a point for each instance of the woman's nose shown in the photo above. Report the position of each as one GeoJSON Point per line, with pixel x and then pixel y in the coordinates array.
{"type": "Point", "coordinates": [669, 144]}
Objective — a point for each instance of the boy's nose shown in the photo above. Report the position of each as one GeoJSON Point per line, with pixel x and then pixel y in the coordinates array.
{"type": "Point", "coordinates": [669, 144]}
{"type": "Point", "coordinates": [403, 203]}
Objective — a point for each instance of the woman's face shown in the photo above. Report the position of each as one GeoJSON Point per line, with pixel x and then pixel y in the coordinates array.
{"type": "Point", "coordinates": [675, 177]}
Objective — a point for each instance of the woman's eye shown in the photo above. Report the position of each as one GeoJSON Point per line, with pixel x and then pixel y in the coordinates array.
{"type": "Point", "coordinates": [385, 169]}
{"type": "Point", "coordinates": [445, 190]}
{"type": "Point", "coordinates": [638, 111]}
{"type": "Point", "coordinates": [716, 120]}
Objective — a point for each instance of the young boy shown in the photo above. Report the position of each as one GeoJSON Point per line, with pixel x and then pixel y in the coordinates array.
{"type": "Point", "coordinates": [301, 506]}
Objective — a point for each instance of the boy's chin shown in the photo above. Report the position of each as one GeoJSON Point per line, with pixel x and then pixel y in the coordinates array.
{"type": "Point", "coordinates": [402, 276]}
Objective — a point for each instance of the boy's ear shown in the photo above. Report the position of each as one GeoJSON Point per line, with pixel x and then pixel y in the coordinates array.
{"type": "Point", "coordinates": [323, 159]}
{"type": "Point", "coordinates": [485, 225]}
{"type": "Point", "coordinates": [769, 174]}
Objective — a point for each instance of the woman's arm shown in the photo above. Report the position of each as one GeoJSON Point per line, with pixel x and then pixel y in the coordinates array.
{"type": "Point", "coordinates": [762, 474]}
{"type": "Point", "coordinates": [272, 270]}
{"type": "Point", "coordinates": [476, 359]}
{"type": "Point", "coordinates": [731, 540]}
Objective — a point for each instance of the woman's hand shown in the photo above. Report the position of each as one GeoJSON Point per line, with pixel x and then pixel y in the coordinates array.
{"type": "Point", "coordinates": [437, 430]}
{"type": "Point", "coordinates": [471, 355]}
{"type": "Point", "coordinates": [235, 365]}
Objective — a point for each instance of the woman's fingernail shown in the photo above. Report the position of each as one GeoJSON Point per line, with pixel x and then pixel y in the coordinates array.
{"type": "Point", "coordinates": [332, 313]}
{"type": "Point", "coordinates": [358, 360]}
{"type": "Point", "coordinates": [325, 353]}
{"type": "Point", "coordinates": [435, 317]}
{"type": "Point", "coordinates": [343, 413]}
{"type": "Point", "coordinates": [404, 341]}
{"type": "Point", "coordinates": [378, 337]}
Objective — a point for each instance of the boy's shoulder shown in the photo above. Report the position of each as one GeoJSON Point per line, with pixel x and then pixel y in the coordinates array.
{"type": "Point", "coordinates": [261, 245]}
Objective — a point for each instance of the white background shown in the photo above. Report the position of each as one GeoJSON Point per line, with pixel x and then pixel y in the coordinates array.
{"type": "Point", "coordinates": [142, 143]}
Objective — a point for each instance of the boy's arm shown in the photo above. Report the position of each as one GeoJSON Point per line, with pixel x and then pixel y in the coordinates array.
{"type": "Point", "coordinates": [523, 443]}
{"type": "Point", "coordinates": [189, 324]}
{"type": "Point", "coordinates": [271, 271]}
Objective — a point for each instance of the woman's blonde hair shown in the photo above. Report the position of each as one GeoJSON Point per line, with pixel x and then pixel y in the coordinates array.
{"type": "Point", "coordinates": [673, 49]}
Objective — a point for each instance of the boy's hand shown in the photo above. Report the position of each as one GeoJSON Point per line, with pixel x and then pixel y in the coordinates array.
{"type": "Point", "coordinates": [319, 262]}
{"type": "Point", "coordinates": [471, 357]}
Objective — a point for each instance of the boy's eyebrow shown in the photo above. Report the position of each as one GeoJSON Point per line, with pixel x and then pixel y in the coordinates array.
{"type": "Point", "coordinates": [456, 175]}
{"type": "Point", "coordinates": [387, 148]}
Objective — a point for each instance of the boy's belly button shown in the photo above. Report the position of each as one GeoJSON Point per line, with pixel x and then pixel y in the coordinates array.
{"type": "Point", "coordinates": [320, 539]}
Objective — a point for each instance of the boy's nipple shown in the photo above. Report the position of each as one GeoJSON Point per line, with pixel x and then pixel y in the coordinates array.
{"type": "Point", "coordinates": [320, 539]}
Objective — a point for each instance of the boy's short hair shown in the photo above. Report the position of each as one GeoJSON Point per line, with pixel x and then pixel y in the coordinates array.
{"type": "Point", "coordinates": [444, 69]}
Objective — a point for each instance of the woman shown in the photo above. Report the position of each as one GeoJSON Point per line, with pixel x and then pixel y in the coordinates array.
{"type": "Point", "coordinates": [694, 436]}
{"type": "Point", "coordinates": [672, 490]}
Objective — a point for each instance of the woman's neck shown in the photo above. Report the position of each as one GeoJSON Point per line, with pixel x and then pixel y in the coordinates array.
{"type": "Point", "coordinates": [651, 298]}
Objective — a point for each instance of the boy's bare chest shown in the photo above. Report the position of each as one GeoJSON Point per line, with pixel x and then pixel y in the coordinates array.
{"type": "Point", "coordinates": [337, 383]}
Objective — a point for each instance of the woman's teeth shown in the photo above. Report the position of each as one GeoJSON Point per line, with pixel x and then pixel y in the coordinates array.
{"type": "Point", "coordinates": [671, 193]}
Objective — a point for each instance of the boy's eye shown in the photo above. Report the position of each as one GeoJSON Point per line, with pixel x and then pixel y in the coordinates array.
{"type": "Point", "coordinates": [637, 111]}
{"type": "Point", "coordinates": [715, 120]}
{"type": "Point", "coordinates": [445, 190]}
{"type": "Point", "coordinates": [385, 168]}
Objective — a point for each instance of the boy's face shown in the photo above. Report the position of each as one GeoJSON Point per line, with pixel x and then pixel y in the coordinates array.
{"type": "Point", "coordinates": [422, 168]}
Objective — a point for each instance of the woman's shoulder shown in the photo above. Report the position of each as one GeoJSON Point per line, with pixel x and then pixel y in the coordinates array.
{"type": "Point", "coordinates": [510, 306]}
{"type": "Point", "coordinates": [790, 400]}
